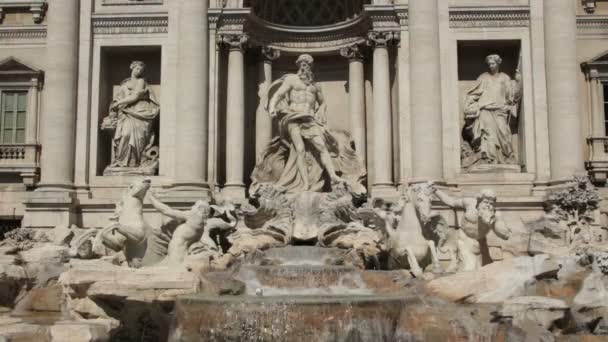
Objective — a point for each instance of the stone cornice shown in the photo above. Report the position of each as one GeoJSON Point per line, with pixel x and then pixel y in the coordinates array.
{"type": "Point", "coordinates": [131, 24]}
{"type": "Point", "coordinates": [36, 7]}
{"type": "Point", "coordinates": [22, 32]}
{"type": "Point", "coordinates": [597, 22]}
{"type": "Point", "coordinates": [471, 17]}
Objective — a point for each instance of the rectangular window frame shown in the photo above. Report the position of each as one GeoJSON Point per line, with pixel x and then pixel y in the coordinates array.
{"type": "Point", "coordinates": [14, 90]}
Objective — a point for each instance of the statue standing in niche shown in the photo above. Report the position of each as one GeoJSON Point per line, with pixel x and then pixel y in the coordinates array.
{"type": "Point", "coordinates": [489, 108]}
{"type": "Point", "coordinates": [132, 115]}
{"type": "Point", "coordinates": [307, 155]}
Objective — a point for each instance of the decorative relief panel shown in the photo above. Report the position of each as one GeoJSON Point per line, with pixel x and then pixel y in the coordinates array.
{"type": "Point", "coordinates": [472, 17]}
{"type": "Point", "coordinates": [131, 2]}
{"type": "Point", "coordinates": [22, 32]}
{"type": "Point", "coordinates": [134, 24]}
{"type": "Point", "coordinates": [597, 22]}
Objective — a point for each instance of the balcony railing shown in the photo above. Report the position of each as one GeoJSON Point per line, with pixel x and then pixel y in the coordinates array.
{"type": "Point", "coordinates": [23, 159]}
{"type": "Point", "coordinates": [597, 160]}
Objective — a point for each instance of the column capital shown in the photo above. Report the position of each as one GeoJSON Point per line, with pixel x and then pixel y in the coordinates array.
{"type": "Point", "coordinates": [352, 53]}
{"type": "Point", "coordinates": [382, 38]}
{"type": "Point", "coordinates": [269, 54]}
{"type": "Point", "coordinates": [234, 41]}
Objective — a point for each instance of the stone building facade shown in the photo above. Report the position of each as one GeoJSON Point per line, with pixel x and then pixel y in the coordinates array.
{"type": "Point", "coordinates": [398, 75]}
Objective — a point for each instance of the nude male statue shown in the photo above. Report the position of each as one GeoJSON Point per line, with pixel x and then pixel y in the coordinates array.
{"type": "Point", "coordinates": [191, 230]}
{"type": "Point", "coordinates": [480, 217]}
{"type": "Point", "coordinates": [302, 118]}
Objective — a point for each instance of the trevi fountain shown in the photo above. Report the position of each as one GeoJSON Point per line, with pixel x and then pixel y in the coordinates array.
{"type": "Point", "coordinates": [303, 170]}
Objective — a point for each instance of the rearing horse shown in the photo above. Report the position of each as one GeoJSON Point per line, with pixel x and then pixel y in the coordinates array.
{"type": "Point", "coordinates": [410, 244]}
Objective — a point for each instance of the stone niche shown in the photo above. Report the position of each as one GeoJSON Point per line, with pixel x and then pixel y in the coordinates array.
{"type": "Point", "coordinates": [331, 72]}
{"type": "Point", "coordinates": [476, 85]}
{"type": "Point", "coordinates": [115, 68]}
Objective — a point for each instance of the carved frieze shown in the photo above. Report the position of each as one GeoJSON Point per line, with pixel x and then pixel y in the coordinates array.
{"type": "Point", "coordinates": [130, 25]}
{"type": "Point", "coordinates": [595, 22]}
{"type": "Point", "coordinates": [23, 32]}
{"type": "Point", "coordinates": [489, 17]}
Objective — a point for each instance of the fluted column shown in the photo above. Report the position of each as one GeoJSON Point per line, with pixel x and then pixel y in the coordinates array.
{"type": "Point", "coordinates": [425, 73]}
{"type": "Point", "coordinates": [382, 180]}
{"type": "Point", "coordinates": [356, 94]}
{"type": "Point", "coordinates": [565, 137]}
{"type": "Point", "coordinates": [235, 116]}
{"type": "Point", "coordinates": [193, 79]}
{"type": "Point", "coordinates": [59, 117]}
{"type": "Point", "coordinates": [263, 121]}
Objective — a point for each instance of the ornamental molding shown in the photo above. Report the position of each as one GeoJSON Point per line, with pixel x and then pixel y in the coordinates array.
{"type": "Point", "coordinates": [23, 32]}
{"type": "Point", "coordinates": [467, 17]}
{"type": "Point", "coordinates": [134, 24]}
{"type": "Point", "coordinates": [130, 2]}
{"type": "Point", "coordinates": [383, 17]}
{"type": "Point", "coordinates": [590, 22]}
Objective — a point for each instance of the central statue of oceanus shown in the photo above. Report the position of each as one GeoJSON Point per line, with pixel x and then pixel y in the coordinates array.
{"type": "Point", "coordinates": [306, 155]}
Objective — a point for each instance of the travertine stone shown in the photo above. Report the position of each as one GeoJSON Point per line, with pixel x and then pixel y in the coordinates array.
{"type": "Point", "coordinates": [193, 80]}
{"type": "Point", "coordinates": [489, 109]}
{"type": "Point", "coordinates": [382, 153]}
{"type": "Point", "coordinates": [59, 121]}
{"type": "Point", "coordinates": [425, 77]}
{"type": "Point", "coordinates": [565, 136]}
{"type": "Point", "coordinates": [235, 116]}
{"type": "Point", "coordinates": [130, 121]}
{"type": "Point", "coordinates": [263, 121]}
{"type": "Point", "coordinates": [480, 218]}
{"type": "Point", "coordinates": [356, 97]}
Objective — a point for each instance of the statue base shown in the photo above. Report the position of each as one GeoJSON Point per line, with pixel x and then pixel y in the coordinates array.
{"type": "Point", "coordinates": [129, 171]}
{"type": "Point", "coordinates": [494, 168]}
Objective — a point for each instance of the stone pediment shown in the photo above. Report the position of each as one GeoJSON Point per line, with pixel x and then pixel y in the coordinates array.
{"type": "Point", "coordinates": [14, 67]}
{"type": "Point", "coordinates": [596, 67]}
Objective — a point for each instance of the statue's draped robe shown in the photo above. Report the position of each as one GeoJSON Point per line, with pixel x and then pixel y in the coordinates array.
{"type": "Point", "coordinates": [134, 133]}
{"type": "Point", "coordinates": [488, 108]}
{"type": "Point", "coordinates": [277, 165]}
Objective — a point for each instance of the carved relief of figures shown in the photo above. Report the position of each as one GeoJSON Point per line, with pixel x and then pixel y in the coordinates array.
{"type": "Point", "coordinates": [490, 108]}
{"type": "Point", "coordinates": [307, 155]}
{"type": "Point", "coordinates": [132, 115]}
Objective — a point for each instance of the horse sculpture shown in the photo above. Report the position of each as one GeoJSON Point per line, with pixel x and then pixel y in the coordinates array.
{"type": "Point", "coordinates": [413, 229]}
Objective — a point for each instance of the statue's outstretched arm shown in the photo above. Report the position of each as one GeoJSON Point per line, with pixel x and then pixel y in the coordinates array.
{"type": "Point", "coordinates": [167, 210]}
{"type": "Point", "coordinates": [450, 201]}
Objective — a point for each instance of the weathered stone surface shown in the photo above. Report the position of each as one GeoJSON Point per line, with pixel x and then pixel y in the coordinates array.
{"type": "Point", "coordinates": [13, 280]}
{"type": "Point", "coordinates": [594, 292]}
{"type": "Point", "coordinates": [78, 332]}
{"type": "Point", "coordinates": [41, 299]}
{"type": "Point", "coordinates": [17, 331]}
{"type": "Point", "coordinates": [494, 283]}
{"type": "Point", "coordinates": [146, 285]}
{"type": "Point", "coordinates": [61, 235]}
{"type": "Point", "coordinates": [46, 254]}
{"type": "Point", "coordinates": [544, 311]}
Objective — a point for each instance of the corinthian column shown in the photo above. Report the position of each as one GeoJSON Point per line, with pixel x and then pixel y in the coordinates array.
{"type": "Point", "coordinates": [235, 116]}
{"type": "Point", "coordinates": [425, 73]}
{"type": "Point", "coordinates": [59, 117]}
{"type": "Point", "coordinates": [565, 138]}
{"type": "Point", "coordinates": [192, 123]}
{"type": "Point", "coordinates": [356, 94]}
{"type": "Point", "coordinates": [382, 181]}
{"type": "Point", "coordinates": [263, 122]}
